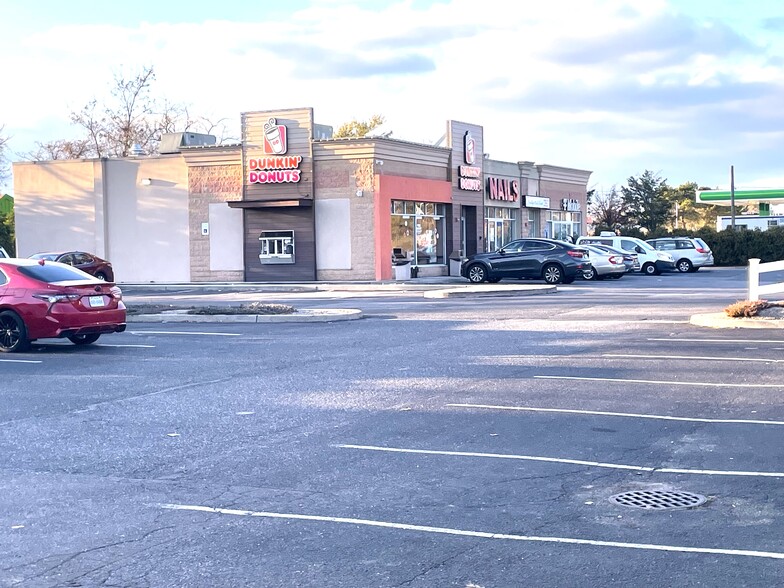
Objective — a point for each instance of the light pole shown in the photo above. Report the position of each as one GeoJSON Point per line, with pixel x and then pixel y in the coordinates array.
{"type": "Point", "coordinates": [732, 195]}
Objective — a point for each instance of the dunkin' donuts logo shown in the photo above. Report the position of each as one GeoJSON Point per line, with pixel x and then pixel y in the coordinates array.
{"type": "Point", "coordinates": [275, 138]}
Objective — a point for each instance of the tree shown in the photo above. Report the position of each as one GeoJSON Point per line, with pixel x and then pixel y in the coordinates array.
{"type": "Point", "coordinates": [646, 200]}
{"type": "Point", "coordinates": [7, 238]}
{"type": "Point", "coordinates": [609, 210]}
{"type": "Point", "coordinates": [130, 119]}
{"type": "Point", "coordinates": [357, 128]}
{"type": "Point", "coordinates": [3, 159]}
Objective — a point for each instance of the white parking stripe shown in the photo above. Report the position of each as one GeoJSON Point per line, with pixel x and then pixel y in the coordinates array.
{"type": "Point", "coordinates": [595, 464]}
{"type": "Point", "coordinates": [716, 340]}
{"type": "Point", "coordinates": [184, 333]}
{"type": "Point", "coordinates": [672, 382]}
{"type": "Point", "coordinates": [477, 534]}
{"type": "Point", "coordinates": [619, 414]}
{"type": "Point", "coordinates": [20, 361]}
{"type": "Point", "coordinates": [139, 346]}
{"type": "Point", "coordinates": [696, 357]}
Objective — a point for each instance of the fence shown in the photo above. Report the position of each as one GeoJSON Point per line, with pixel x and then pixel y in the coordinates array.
{"type": "Point", "coordinates": [755, 269]}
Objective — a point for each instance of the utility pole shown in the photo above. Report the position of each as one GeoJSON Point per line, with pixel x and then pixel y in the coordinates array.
{"type": "Point", "coordinates": [732, 195]}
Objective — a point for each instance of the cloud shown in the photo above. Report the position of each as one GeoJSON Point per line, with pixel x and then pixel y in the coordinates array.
{"type": "Point", "coordinates": [419, 37]}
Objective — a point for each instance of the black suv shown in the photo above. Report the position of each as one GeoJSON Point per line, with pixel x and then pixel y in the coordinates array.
{"type": "Point", "coordinates": [555, 262]}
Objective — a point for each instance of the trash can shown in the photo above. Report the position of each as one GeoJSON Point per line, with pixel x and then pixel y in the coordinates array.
{"type": "Point", "coordinates": [455, 261]}
{"type": "Point", "coordinates": [402, 271]}
{"type": "Point", "coordinates": [414, 271]}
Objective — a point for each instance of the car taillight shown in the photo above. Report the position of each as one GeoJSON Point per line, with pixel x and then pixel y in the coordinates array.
{"type": "Point", "coordinates": [54, 298]}
{"type": "Point", "coordinates": [701, 250]}
{"type": "Point", "coordinates": [615, 259]}
{"type": "Point", "coordinates": [576, 253]}
{"type": "Point", "coordinates": [116, 292]}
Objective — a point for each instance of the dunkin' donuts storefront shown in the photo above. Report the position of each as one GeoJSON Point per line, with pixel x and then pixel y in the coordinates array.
{"type": "Point", "coordinates": [291, 203]}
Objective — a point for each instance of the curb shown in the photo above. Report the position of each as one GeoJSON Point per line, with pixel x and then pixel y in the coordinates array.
{"type": "Point", "coordinates": [302, 315]}
{"type": "Point", "coordinates": [483, 291]}
{"type": "Point", "coordinates": [719, 320]}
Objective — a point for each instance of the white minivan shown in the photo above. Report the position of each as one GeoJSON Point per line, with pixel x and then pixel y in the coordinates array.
{"type": "Point", "coordinates": [652, 262]}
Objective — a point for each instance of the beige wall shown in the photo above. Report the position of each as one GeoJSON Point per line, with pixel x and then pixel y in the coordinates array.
{"type": "Point", "coordinates": [58, 206]}
{"type": "Point", "coordinates": [147, 225]}
{"type": "Point", "coordinates": [141, 229]}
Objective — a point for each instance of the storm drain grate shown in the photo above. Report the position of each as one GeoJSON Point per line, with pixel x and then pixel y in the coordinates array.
{"type": "Point", "coordinates": [658, 499]}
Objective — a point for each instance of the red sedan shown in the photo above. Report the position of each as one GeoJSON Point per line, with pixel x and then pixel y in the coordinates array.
{"type": "Point", "coordinates": [40, 299]}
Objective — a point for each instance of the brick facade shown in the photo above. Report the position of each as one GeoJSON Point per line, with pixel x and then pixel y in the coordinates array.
{"type": "Point", "coordinates": [207, 185]}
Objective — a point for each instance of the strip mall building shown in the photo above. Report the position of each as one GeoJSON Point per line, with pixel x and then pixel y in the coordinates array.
{"type": "Point", "coordinates": [292, 204]}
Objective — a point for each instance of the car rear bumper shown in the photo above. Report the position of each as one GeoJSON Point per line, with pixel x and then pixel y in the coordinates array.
{"type": "Point", "coordinates": [64, 321]}
{"type": "Point", "coordinates": [92, 330]}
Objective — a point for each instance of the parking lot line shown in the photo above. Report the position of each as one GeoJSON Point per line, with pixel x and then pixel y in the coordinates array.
{"type": "Point", "coordinates": [21, 361]}
{"type": "Point", "coordinates": [775, 341]}
{"type": "Point", "coordinates": [475, 534]}
{"type": "Point", "coordinates": [669, 382]}
{"type": "Point", "coordinates": [700, 357]}
{"type": "Point", "coordinates": [130, 345]}
{"type": "Point", "coordinates": [618, 414]}
{"type": "Point", "coordinates": [595, 464]}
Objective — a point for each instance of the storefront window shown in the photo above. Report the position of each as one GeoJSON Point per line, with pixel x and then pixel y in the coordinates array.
{"type": "Point", "coordinates": [418, 232]}
{"type": "Point", "coordinates": [563, 225]}
{"type": "Point", "coordinates": [500, 227]}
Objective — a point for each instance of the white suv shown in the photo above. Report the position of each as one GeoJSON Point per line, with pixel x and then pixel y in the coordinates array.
{"type": "Point", "coordinates": [689, 254]}
{"type": "Point", "coordinates": [652, 262]}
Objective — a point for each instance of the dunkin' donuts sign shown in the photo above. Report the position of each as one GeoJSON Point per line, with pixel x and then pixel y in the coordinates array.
{"type": "Point", "coordinates": [277, 168]}
{"type": "Point", "coordinates": [469, 175]}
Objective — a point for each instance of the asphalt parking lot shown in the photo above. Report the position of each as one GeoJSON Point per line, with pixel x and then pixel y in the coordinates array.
{"type": "Point", "coordinates": [432, 443]}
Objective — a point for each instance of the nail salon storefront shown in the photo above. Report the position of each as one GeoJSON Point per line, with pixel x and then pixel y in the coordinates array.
{"type": "Point", "coordinates": [292, 204]}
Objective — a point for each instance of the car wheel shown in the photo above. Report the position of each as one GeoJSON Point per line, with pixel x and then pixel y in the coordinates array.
{"type": "Point", "coordinates": [590, 274]}
{"type": "Point", "coordinates": [13, 333]}
{"type": "Point", "coordinates": [552, 274]}
{"type": "Point", "coordinates": [84, 339]}
{"type": "Point", "coordinates": [684, 265]}
{"type": "Point", "coordinates": [477, 274]}
{"type": "Point", "coordinates": [649, 269]}
{"type": "Point", "coordinates": [101, 276]}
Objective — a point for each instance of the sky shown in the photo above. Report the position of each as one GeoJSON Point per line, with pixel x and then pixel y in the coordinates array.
{"type": "Point", "coordinates": [684, 88]}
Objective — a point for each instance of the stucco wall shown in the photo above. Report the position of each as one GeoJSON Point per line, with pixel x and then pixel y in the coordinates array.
{"type": "Point", "coordinates": [147, 224]}
{"type": "Point", "coordinates": [57, 207]}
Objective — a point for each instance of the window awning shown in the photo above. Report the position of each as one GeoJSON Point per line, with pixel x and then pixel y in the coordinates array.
{"type": "Point", "coordinates": [299, 203]}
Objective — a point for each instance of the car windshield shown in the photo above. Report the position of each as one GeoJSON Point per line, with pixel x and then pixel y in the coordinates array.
{"type": "Point", "coordinates": [46, 256]}
{"type": "Point", "coordinates": [647, 246]}
{"type": "Point", "coordinates": [51, 273]}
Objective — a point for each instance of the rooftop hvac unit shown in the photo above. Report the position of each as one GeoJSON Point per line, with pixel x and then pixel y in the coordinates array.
{"type": "Point", "coordinates": [174, 142]}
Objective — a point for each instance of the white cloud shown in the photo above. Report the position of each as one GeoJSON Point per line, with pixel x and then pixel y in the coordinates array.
{"type": "Point", "coordinates": [612, 86]}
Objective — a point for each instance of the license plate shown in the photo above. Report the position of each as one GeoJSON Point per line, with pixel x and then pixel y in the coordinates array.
{"type": "Point", "coordinates": [95, 301]}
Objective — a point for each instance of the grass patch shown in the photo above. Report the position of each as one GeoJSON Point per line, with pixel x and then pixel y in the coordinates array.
{"type": "Point", "coordinates": [250, 308]}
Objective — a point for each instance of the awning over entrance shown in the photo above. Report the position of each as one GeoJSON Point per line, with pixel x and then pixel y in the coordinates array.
{"type": "Point", "coordinates": [724, 197]}
{"type": "Point", "coordinates": [303, 203]}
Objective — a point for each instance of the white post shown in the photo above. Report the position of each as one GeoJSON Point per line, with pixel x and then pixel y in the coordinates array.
{"type": "Point", "coordinates": [754, 279]}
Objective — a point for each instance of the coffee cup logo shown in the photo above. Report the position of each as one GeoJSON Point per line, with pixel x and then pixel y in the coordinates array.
{"type": "Point", "coordinates": [470, 148]}
{"type": "Point", "coordinates": [274, 137]}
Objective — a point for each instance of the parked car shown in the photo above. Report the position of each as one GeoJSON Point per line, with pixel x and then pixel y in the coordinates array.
{"type": "Point", "coordinates": [555, 262]}
{"type": "Point", "coordinates": [42, 299]}
{"type": "Point", "coordinates": [630, 260]}
{"type": "Point", "coordinates": [604, 264]}
{"type": "Point", "coordinates": [652, 262]}
{"type": "Point", "coordinates": [87, 262]}
{"type": "Point", "coordinates": [690, 254]}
